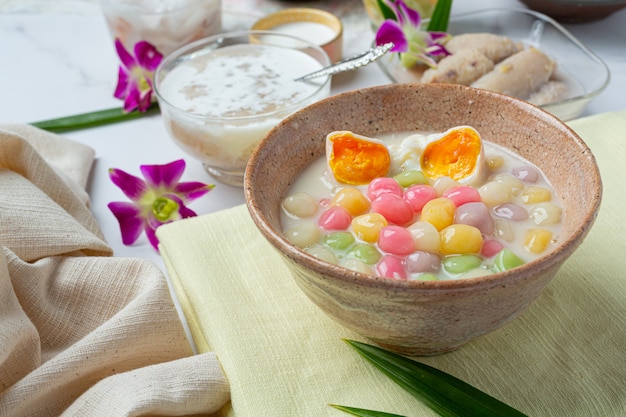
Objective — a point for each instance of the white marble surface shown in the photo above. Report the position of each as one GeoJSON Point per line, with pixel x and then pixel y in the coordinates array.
{"type": "Point", "coordinates": [58, 59]}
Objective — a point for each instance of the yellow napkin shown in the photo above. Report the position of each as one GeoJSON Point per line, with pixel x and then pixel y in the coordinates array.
{"type": "Point", "coordinates": [565, 356]}
{"type": "Point", "coordinates": [83, 333]}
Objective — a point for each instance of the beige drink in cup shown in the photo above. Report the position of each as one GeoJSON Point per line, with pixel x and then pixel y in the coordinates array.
{"type": "Point", "coordinates": [221, 95]}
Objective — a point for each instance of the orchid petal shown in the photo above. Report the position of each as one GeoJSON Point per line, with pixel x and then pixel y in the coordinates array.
{"type": "Point", "coordinates": [186, 212]}
{"type": "Point", "coordinates": [153, 223]}
{"type": "Point", "coordinates": [133, 187]}
{"type": "Point", "coordinates": [409, 16]}
{"type": "Point", "coordinates": [438, 36]}
{"type": "Point", "coordinates": [147, 56]}
{"type": "Point", "coordinates": [122, 83]}
{"type": "Point", "coordinates": [390, 31]}
{"type": "Point", "coordinates": [130, 219]}
{"type": "Point", "coordinates": [127, 59]}
{"type": "Point", "coordinates": [145, 99]}
{"type": "Point", "coordinates": [437, 50]}
{"type": "Point", "coordinates": [189, 191]}
{"type": "Point", "coordinates": [166, 176]}
{"type": "Point", "coordinates": [152, 238]}
{"type": "Point", "coordinates": [131, 102]}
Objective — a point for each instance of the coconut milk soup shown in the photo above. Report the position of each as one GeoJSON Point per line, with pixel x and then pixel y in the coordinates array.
{"type": "Point", "coordinates": [416, 222]}
{"type": "Point", "coordinates": [219, 98]}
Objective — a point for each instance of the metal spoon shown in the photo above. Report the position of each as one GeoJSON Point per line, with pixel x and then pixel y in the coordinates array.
{"type": "Point", "coordinates": [351, 63]}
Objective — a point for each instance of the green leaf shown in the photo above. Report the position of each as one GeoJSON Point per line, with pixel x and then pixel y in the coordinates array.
{"type": "Point", "coordinates": [442, 392]}
{"type": "Point", "coordinates": [385, 10]}
{"type": "Point", "coordinates": [440, 17]}
{"type": "Point", "coordinates": [92, 119]}
{"type": "Point", "coordinates": [361, 412]}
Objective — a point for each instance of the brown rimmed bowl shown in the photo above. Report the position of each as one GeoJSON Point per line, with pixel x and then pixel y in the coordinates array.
{"type": "Point", "coordinates": [424, 317]}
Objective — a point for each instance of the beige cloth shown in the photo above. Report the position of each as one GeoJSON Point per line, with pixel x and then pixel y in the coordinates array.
{"type": "Point", "coordinates": [565, 356]}
{"type": "Point", "coordinates": [83, 333]}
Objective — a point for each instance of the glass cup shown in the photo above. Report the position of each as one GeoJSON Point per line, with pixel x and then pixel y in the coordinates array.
{"type": "Point", "coordinates": [219, 96]}
{"type": "Point", "coordinates": [166, 24]}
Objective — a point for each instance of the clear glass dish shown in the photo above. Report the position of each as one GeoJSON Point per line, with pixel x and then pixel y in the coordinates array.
{"type": "Point", "coordinates": [584, 72]}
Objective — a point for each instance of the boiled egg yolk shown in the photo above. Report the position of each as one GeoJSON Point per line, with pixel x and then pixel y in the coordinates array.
{"type": "Point", "coordinates": [458, 154]}
{"type": "Point", "coordinates": [355, 159]}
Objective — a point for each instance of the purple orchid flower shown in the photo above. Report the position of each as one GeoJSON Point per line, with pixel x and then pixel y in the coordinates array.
{"type": "Point", "coordinates": [158, 200]}
{"type": "Point", "coordinates": [414, 44]}
{"type": "Point", "coordinates": [134, 84]}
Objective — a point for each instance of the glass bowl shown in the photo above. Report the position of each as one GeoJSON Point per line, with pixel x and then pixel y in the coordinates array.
{"type": "Point", "coordinates": [167, 25]}
{"type": "Point", "coordinates": [584, 72]}
{"type": "Point", "coordinates": [220, 95]}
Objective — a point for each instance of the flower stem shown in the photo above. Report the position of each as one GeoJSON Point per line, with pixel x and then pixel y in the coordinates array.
{"type": "Point", "coordinates": [92, 119]}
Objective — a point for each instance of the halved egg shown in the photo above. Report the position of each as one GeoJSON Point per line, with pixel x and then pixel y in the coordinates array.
{"type": "Point", "coordinates": [355, 159]}
{"type": "Point", "coordinates": [405, 156]}
{"type": "Point", "coordinates": [458, 154]}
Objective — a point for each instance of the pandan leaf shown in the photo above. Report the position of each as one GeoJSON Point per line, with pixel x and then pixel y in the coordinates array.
{"type": "Point", "coordinates": [92, 119]}
{"type": "Point", "coordinates": [385, 10]}
{"type": "Point", "coordinates": [440, 17]}
{"type": "Point", "coordinates": [361, 412]}
{"type": "Point", "coordinates": [442, 392]}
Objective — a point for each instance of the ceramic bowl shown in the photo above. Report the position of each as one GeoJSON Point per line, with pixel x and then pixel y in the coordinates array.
{"type": "Point", "coordinates": [424, 317]}
{"type": "Point", "coordinates": [576, 11]}
{"type": "Point", "coordinates": [315, 25]}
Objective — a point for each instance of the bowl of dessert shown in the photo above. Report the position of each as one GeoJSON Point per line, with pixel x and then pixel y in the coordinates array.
{"type": "Point", "coordinates": [422, 216]}
{"type": "Point", "coordinates": [220, 95]}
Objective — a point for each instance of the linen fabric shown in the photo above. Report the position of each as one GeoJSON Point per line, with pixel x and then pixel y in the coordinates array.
{"type": "Point", "coordinates": [83, 333]}
{"type": "Point", "coordinates": [564, 356]}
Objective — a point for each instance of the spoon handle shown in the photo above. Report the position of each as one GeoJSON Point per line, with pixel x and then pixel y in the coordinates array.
{"type": "Point", "coordinates": [351, 63]}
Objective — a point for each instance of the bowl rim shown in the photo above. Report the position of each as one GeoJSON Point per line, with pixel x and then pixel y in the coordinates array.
{"type": "Point", "coordinates": [184, 52]}
{"type": "Point", "coordinates": [564, 248]}
{"type": "Point", "coordinates": [302, 14]}
{"type": "Point", "coordinates": [583, 3]}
